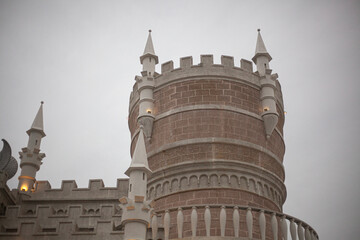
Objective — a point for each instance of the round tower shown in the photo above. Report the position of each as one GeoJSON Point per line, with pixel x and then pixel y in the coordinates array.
{"type": "Point", "coordinates": [215, 143]}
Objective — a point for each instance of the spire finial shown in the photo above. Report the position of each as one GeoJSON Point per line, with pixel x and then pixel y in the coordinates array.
{"type": "Point", "coordinates": [149, 50]}
{"type": "Point", "coordinates": [38, 123]}
{"type": "Point", "coordinates": [260, 48]}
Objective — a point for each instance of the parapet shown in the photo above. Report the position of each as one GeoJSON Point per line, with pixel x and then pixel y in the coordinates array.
{"type": "Point", "coordinates": [207, 61]}
{"type": "Point", "coordinates": [187, 70]}
{"type": "Point", "coordinates": [70, 191]}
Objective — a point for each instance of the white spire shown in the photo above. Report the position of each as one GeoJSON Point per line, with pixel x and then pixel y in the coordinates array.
{"type": "Point", "coordinates": [149, 50]}
{"type": "Point", "coordinates": [139, 159]}
{"type": "Point", "coordinates": [149, 47]}
{"type": "Point", "coordinates": [260, 48]}
{"type": "Point", "coordinates": [38, 123]}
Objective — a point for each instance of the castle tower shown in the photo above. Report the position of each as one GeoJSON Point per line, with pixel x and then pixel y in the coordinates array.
{"type": "Point", "coordinates": [216, 149]}
{"type": "Point", "coordinates": [136, 210]}
{"type": "Point", "coordinates": [30, 156]}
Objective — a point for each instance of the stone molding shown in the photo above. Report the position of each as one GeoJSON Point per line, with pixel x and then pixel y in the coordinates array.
{"type": "Point", "coordinates": [217, 174]}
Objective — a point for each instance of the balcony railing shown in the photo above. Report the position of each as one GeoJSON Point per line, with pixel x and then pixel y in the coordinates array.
{"type": "Point", "coordinates": [280, 223]}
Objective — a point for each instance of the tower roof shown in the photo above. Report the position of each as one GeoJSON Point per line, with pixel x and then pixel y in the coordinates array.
{"type": "Point", "coordinates": [38, 124]}
{"type": "Point", "coordinates": [139, 159]}
{"type": "Point", "coordinates": [149, 50]}
{"type": "Point", "coordinates": [260, 48]}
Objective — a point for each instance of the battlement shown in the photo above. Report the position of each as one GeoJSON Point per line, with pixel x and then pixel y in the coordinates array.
{"type": "Point", "coordinates": [206, 68]}
{"type": "Point", "coordinates": [207, 61]}
{"type": "Point", "coordinates": [69, 191]}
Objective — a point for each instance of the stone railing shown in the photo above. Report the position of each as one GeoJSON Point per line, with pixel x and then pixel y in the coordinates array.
{"type": "Point", "coordinates": [280, 223]}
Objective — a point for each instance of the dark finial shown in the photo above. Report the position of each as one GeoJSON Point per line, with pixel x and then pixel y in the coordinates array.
{"type": "Point", "coordinates": [258, 29]}
{"type": "Point", "coordinates": [149, 30]}
{"type": "Point", "coordinates": [42, 102]}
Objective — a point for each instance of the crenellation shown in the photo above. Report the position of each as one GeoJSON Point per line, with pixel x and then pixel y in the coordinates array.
{"type": "Point", "coordinates": [206, 60]}
{"type": "Point", "coordinates": [246, 65]}
{"type": "Point", "coordinates": [42, 186]}
{"type": "Point", "coordinates": [186, 62]}
{"type": "Point", "coordinates": [67, 185]}
{"type": "Point", "coordinates": [167, 67]}
{"type": "Point", "coordinates": [227, 61]}
{"type": "Point", "coordinates": [96, 184]}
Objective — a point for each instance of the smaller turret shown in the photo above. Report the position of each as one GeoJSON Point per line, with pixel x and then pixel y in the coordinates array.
{"type": "Point", "coordinates": [30, 156]}
{"type": "Point", "coordinates": [268, 86]}
{"type": "Point", "coordinates": [262, 57]}
{"type": "Point", "coordinates": [146, 87]}
{"type": "Point", "coordinates": [149, 58]}
{"type": "Point", "coordinates": [136, 210]}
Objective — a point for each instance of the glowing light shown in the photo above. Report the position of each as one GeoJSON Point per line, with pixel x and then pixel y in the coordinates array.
{"type": "Point", "coordinates": [24, 188]}
{"type": "Point", "coordinates": [148, 111]}
{"type": "Point", "coordinates": [266, 109]}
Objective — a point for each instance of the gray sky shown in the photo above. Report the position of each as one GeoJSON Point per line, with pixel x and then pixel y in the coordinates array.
{"type": "Point", "coordinates": [81, 57]}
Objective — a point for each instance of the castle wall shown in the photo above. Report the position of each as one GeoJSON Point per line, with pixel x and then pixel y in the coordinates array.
{"type": "Point", "coordinates": [66, 213]}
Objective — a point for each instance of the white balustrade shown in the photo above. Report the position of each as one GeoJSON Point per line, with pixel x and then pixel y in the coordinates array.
{"type": "Point", "coordinates": [249, 222]}
{"type": "Point", "coordinates": [274, 226]}
{"type": "Point", "coordinates": [180, 222]}
{"type": "Point", "coordinates": [284, 228]}
{"type": "Point", "coordinates": [298, 229]}
{"type": "Point", "coordinates": [236, 221]}
{"type": "Point", "coordinates": [166, 225]}
{"type": "Point", "coordinates": [262, 224]}
{"type": "Point", "coordinates": [194, 219]}
{"type": "Point", "coordinates": [307, 234]}
{"type": "Point", "coordinates": [207, 216]}
{"type": "Point", "coordinates": [154, 226]}
{"type": "Point", "coordinates": [292, 229]}
{"type": "Point", "coordinates": [301, 232]}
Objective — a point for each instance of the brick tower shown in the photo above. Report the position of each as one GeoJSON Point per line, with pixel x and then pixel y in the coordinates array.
{"type": "Point", "coordinates": [214, 142]}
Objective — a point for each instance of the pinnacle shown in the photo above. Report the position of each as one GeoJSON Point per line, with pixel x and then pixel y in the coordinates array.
{"type": "Point", "coordinates": [260, 48]}
{"type": "Point", "coordinates": [149, 50]}
{"type": "Point", "coordinates": [38, 123]}
{"type": "Point", "coordinates": [149, 47]}
{"type": "Point", "coordinates": [139, 159]}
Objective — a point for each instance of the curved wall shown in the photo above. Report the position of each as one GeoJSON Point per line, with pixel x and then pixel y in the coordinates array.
{"type": "Point", "coordinates": [208, 141]}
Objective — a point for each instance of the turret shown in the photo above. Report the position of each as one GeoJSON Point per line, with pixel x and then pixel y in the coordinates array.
{"type": "Point", "coordinates": [30, 156]}
{"type": "Point", "coordinates": [262, 57]}
{"type": "Point", "coordinates": [268, 86]}
{"type": "Point", "coordinates": [136, 210]}
{"type": "Point", "coordinates": [146, 87]}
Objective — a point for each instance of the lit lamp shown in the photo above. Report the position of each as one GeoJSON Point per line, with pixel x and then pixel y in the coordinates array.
{"type": "Point", "coordinates": [148, 111]}
{"type": "Point", "coordinates": [266, 109]}
{"type": "Point", "coordinates": [24, 188]}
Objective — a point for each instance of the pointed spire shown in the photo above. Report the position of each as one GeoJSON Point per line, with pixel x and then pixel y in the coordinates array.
{"type": "Point", "coordinates": [260, 48]}
{"type": "Point", "coordinates": [149, 50]}
{"type": "Point", "coordinates": [139, 159]}
{"type": "Point", "coordinates": [38, 124]}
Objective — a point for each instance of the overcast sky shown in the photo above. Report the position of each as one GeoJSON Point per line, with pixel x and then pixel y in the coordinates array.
{"type": "Point", "coordinates": [80, 57]}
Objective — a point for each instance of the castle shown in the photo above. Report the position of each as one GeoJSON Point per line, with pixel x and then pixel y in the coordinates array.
{"type": "Point", "coordinates": [207, 153]}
